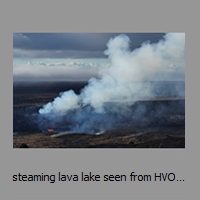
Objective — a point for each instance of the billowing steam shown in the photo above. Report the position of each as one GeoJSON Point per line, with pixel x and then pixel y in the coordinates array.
{"type": "Point", "coordinates": [106, 102]}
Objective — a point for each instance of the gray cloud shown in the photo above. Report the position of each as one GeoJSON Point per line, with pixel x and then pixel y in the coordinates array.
{"type": "Point", "coordinates": [74, 45]}
{"type": "Point", "coordinates": [51, 71]}
{"type": "Point", "coordinates": [23, 53]}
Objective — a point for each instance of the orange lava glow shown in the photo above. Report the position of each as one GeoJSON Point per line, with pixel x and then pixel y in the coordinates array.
{"type": "Point", "coordinates": [50, 130]}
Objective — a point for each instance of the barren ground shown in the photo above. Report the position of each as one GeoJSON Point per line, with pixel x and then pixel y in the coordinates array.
{"type": "Point", "coordinates": [167, 136]}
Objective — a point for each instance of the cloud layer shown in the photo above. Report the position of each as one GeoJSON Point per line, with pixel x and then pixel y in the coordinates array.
{"type": "Point", "coordinates": [70, 45]}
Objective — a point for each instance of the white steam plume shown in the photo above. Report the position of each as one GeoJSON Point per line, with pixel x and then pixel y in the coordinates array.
{"type": "Point", "coordinates": [67, 101]}
{"type": "Point", "coordinates": [125, 80]}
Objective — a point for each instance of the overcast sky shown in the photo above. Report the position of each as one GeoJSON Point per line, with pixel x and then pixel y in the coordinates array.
{"type": "Point", "coordinates": [71, 45]}
{"type": "Point", "coordinates": [67, 55]}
